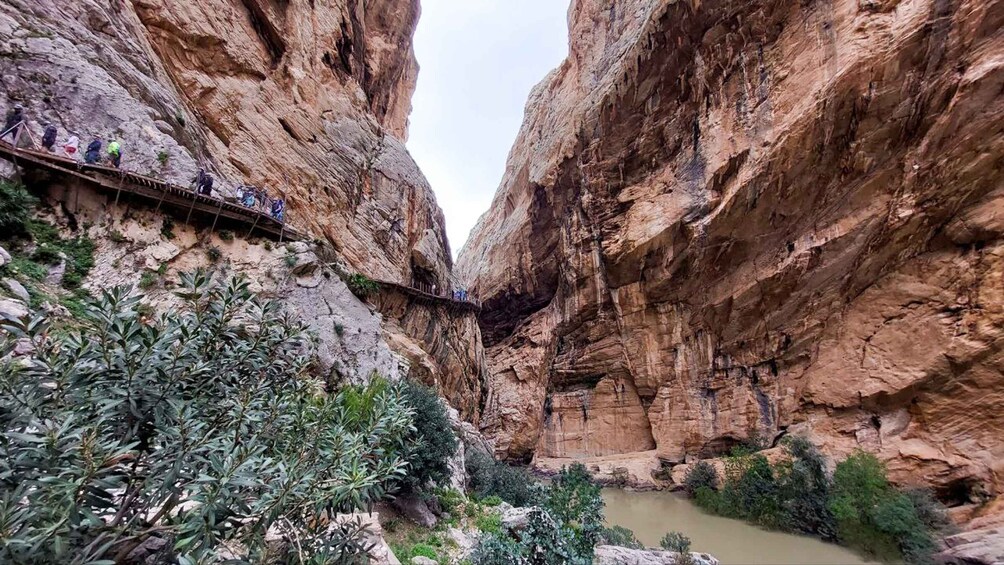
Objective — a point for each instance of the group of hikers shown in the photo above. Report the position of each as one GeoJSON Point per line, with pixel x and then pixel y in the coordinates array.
{"type": "Point", "coordinates": [249, 196]}
{"type": "Point", "coordinates": [16, 123]}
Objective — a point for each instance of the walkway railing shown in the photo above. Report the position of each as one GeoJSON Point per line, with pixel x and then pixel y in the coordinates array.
{"type": "Point", "coordinates": [426, 293]}
{"type": "Point", "coordinates": [154, 190]}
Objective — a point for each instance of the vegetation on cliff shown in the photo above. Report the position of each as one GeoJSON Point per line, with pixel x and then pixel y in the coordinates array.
{"type": "Point", "coordinates": [856, 506]}
{"type": "Point", "coordinates": [202, 427]}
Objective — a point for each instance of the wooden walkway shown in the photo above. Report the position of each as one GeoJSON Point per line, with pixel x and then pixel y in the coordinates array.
{"type": "Point", "coordinates": [187, 201]}
{"type": "Point", "coordinates": [424, 295]}
{"type": "Point", "coordinates": [163, 194]}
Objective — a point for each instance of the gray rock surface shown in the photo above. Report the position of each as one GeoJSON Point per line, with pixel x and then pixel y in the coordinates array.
{"type": "Point", "coordinates": [17, 289]}
{"type": "Point", "coordinates": [616, 555]}
{"type": "Point", "coordinates": [422, 561]}
{"type": "Point", "coordinates": [415, 509]}
{"type": "Point", "coordinates": [12, 309]}
{"type": "Point", "coordinates": [4, 257]}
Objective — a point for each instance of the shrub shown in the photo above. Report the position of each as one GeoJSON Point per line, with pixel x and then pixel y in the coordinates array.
{"type": "Point", "coordinates": [873, 516]}
{"type": "Point", "coordinates": [751, 491]}
{"type": "Point", "coordinates": [148, 279]}
{"type": "Point", "coordinates": [574, 500]}
{"type": "Point", "coordinates": [214, 254]}
{"type": "Point", "coordinates": [226, 235]}
{"type": "Point", "coordinates": [450, 500]}
{"type": "Point", "coordinates": [701, 474]}
{"type": "Point", "coordinates": [487, 477]}
{"type": "Point", "coordinates": [202, 426]}
{"type": "Point", "coordinates": [432, 443]}
{"type": "Point", "coordinates": [499, 549]}
{"type": "Point", "coordinates": [492, 500]}
{"type": "Point", "coordinates": [162, 157]}
{"type": "Point", "coordinates": [167, 228]}
{"type": "Point", "coordinates": [619, 535]}
{"type": "Point", "coordinates": [675, 541]}
{"type": "Point", "coordinates": [805, 489]}
{"type": "Point", "coordinates": [489, 523]}
{"type": "Point", "coordinates": [51, 249]}
{"type": "Point", "coordinates": [361, 285]}
{"type": "Point", "coordinates": [16, 205]}
{"type": "Point", "coordinates": [27, 268]}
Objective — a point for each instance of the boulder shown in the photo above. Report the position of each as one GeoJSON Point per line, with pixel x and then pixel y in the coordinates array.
{"type": "Point", "coordinates": [416, 510]}
{"type": "Point", "coordinates": [12, 309]}
{"type": "Point", "coordinates": [616, 555]}
{"type": "Point", "coordinates": [4, 257]}
{"type": "Point", "coordinates": [17, 289]}
{"type": "Point", "coordinates": [420, 560]}
{"type": "Point", "coordinates": [515, 518]}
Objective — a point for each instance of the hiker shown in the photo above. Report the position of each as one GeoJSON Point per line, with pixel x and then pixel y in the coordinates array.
{"type": "Point", "coordinates": [49, 137]}
{"type": "Point", "coordinates": [248, 199]}
{"type": "Point", "coordinates": [71, 146]}
{"type": "Point", "coordinates": [93, 153]}
{"type": "Point", "coordinates": [207, 185]}
{"type": "Point", "coordinates": [203, 182]}
{"type": "Point", "coordinates": [114, 153]}
{"type": "Point", "coordinates": [14, 123]}
{"type": "Point", "coordinates": [279, 209]}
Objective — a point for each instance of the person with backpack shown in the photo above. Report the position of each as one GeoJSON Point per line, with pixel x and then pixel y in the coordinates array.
{"type": "Point", "coordinates": [93, 153]}
{"type": "Point", "coordinates": [71, 147]}
{"type": "Point", "coordinates": [207, 185]}
{"type": "Point", "coordinates": [114, 153]}
{"type": "Point", "coordinates": [278, 209]}
{"type": "Point", "coordinates": [49, 137]}
{"type": "Point", "coordinates": [15, 121]}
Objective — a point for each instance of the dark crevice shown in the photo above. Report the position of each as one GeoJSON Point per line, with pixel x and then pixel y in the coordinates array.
{"type": "Point", "coordinates": [266, 31]}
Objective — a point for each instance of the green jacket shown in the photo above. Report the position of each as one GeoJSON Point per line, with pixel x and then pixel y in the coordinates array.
{"type": "Point", "coordinates": [113, 148]}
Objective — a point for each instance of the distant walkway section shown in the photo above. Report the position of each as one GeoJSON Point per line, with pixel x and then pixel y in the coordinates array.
{"type": "Point", "coordinates": [424, 294]}
{"type": "Point", "coordinates": [182, 201]}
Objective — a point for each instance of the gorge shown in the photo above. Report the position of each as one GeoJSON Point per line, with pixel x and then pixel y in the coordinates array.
{"type": "Point", "coordinates": [720, 220]}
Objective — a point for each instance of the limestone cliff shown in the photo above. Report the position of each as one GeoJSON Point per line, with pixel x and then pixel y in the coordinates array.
{"type": "Point", "coordinates": [307, 99]}
{"type": "Point", "coordinates": [727, 217]}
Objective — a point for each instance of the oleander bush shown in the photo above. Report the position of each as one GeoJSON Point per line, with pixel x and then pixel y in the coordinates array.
{"type": "Point", "coordinates": [203, 427]}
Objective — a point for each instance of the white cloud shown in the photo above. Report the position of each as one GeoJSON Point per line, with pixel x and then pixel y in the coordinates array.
{"type": "Point", "coordinates": [479, 59]}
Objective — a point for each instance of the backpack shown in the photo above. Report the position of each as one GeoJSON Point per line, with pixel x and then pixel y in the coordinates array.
{"type": "Point", "coordinates": [94, 146]}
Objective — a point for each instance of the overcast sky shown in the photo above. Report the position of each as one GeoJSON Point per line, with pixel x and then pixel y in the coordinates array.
{"type": "Point", "coordinates": [479, 59]}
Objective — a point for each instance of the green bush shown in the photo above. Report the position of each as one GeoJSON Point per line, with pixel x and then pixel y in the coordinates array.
{"type": "Point", "coordinates": [361, 285]}
{"type": "Point", "coordinates": [226, 235]}
{"type": "Point", "coordinates": [492, 500]}
{"type": "Point", "coordinates": [16, 205]}
{"type": "Point", "coordinates": [751, 491]}
{"type": "Point", "coordinates": [432, 443]}
{"type": "Point", "coordinates": [675, 541]}
{"type": "Point", "coordinates": [701, 474]}
{"type": "Point", "coordinates": [805, 489]}
{"type": "Point", "coordinates": [619, 535]}
{"type": "Point", "coordinates": [489, 523]}
{"type": "Point", "coordinates": [574, 500]}
{"type": "Point", "coordinates": [51, 248]}
{"type": "Point", "coordinates": [449, 500]}
{"type": "Point", "coordinates": [487, 477]}
{"type": "Point", "coordinates": [873, 516]}
{"type": "Point", "coordinates": [200, 427]}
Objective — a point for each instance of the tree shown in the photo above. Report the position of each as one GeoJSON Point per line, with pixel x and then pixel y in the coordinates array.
{"type": "Point", "coordinates": [574, 500]}
{"type": "Point", "coordinates": [432, 443]}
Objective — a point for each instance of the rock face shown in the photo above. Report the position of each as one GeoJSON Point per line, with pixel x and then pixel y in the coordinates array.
{"type": "Point", "coordinates": [727, 217]}
{"type": "Point", "coordinates": [305, 99]}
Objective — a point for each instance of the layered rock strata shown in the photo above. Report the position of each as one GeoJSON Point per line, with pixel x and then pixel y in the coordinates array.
{"type": "Point", "coordinates": [724, 218]}
{"type": "Point", "coordinates": [308, 100]}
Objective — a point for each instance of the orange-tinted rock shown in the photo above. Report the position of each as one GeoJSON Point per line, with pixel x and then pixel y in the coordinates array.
{"type": "Point", "coordinates": [764, 216]}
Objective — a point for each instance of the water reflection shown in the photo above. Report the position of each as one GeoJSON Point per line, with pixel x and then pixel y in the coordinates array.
{"type": "Point", "coordinates": [651, 514]}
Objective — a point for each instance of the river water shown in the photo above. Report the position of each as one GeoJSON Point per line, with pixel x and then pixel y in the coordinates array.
{"type": "Point", "coordinates": [651, 514]}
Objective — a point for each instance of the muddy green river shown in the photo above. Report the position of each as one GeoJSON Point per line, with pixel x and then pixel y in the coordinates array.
{"type": "Point", "coordinates": [651, 514]}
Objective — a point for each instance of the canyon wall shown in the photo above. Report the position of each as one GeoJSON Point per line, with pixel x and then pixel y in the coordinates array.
{"type": "Point", "coordinates": [306, 99]}
{"type": "Point", "coordinates": [731, 218]}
